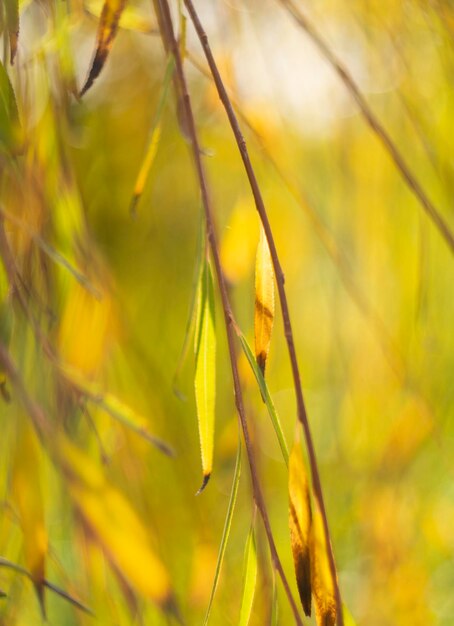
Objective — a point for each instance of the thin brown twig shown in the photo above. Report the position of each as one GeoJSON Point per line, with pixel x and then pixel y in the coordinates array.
{"type": "Point", "coordinates": [373, 122]}
{"type": "Point", "coordinates": [326, 238]}
{"type": "Point", "coordinates": [167, 31]}
{"type": "Point", "coordinates": [301, 408]}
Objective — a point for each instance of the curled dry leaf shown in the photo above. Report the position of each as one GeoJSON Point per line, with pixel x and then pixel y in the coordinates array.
{"type": "Point", "coordinates": [300, 520]}
{"type": "Point", "coordinates": [264, 301]}
{"type": "Point", "coordinates": [107, 30]}
{"type": "Point", "coordinates": [322, 581]}
{"type": "Point", "coordinates": [205, 369]}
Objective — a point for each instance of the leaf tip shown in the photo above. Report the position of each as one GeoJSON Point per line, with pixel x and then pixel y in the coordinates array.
{"type": "Point", "coordinates": [261, 361]}
{"type": "Point", "coordinates": [206, 478]}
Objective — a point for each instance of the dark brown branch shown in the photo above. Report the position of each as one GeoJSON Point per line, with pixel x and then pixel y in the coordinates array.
{"type": "Point", "coordinates": [374, 123]}
{"type": "Point", "coordinates": [301, 408]}
{"type": "Point", "coordinates": [228, 315]}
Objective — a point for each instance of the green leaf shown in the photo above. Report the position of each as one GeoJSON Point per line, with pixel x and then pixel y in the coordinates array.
{"type": "Point", "coordinates": [226, 531]}
{"type": "Point", "coordinates": [205, 369]}
{"type": "Point", "coordinates": [10, 130]}
{"type": "Point", "coordinates": [266, 397]}
{"type": "Point", "coordinates": [155, 135]}
{"type": "Point", "coordinates": [192, 316]}
{"type": "Point", "coordinates": [249, 578]}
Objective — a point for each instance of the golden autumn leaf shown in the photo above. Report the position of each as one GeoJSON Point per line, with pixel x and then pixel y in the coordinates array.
{"type": "Point", "coordinates": [114, 525]}
{"type": "Point", "coordinates": [84, 331]}
{"type": "Point", "coordinates": [205, 369]}
{"type": "Point", "coordinates": [322, 580]}
{"type": "Point", "coordinates": [300, 520]}
{"type": "Point", "coordinates": [107, 30]}
{"type": "Point", "coordinates": [27, 496]}
{"type": "Point", "coordinates": [264, 301]}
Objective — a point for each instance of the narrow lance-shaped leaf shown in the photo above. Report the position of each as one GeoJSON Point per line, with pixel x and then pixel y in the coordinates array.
{"type": "Point", "coordinates": [191, 321]}
{"type": "Point", "coordinates": [107, 30]}
{"type": "Point", "coordinates": [12, 23]}
{"type": "Point", "coordinates": [249, 578]}
{"type": "Point", "coordinates": [300, 520]}
{"type": "Point", "coordinates": [266, 397]}
{"type": "Point", "coordinates": [322, 581]}
{"type": "Point", "coordinates": [27, 496]}
{"type": "Point", "coordinates": [205, 369]}
{"type": "Point", "coordinates": [264, 301]}
{"type": "Point", "coordinates": [155, 136]}
{"type": "Point", "coordinates": [226, 531]}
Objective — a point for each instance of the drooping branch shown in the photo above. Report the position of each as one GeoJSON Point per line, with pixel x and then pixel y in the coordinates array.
{"type": "Point", "coordinates": [260, 206]}
{"type": "Point", "coordinates": [171, 43]}
{"type": "Point", "coordinates": [374, 123]}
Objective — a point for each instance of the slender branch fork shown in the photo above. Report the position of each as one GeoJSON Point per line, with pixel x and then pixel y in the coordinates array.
{"type": "Point", "coordinates": [301, 408]}
{"type": "Point", "coordinates": [170, 43]}
{"type": "Point", "coordinates": [373, 122]}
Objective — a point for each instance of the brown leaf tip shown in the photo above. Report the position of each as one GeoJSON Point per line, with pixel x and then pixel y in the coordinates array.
{"type": "Point", "coordinates": [206, 478]}
{"type": "Point", "coordinates": [4, 392]}
{"type": "Point", "coordinates": [97, 65]}
{"type": "Point", "coordinates": [261, 361]}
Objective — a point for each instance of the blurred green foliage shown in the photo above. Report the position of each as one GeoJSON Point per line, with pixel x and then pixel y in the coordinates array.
{"type": "Point", "coordinates": [92, 298]}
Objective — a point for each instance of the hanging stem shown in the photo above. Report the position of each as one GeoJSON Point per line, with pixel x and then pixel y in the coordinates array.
{"type": "Point", "coordinates": [170, 43]}
{"type": "Point", "coordinates": [280, 279]}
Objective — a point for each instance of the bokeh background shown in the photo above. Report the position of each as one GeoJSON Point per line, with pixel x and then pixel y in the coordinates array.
{"type": "Point", "coordinates": [368, 276]}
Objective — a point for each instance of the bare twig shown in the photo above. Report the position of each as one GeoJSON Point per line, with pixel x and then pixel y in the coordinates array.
{"type": "Point", "coordinates": [301, 408]}
{"type": "Point", "coordinates": [373, 122]}
{"type": "Point", "coordinates": [172, 45]}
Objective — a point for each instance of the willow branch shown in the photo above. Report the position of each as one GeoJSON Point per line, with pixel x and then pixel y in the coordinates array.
{"type": "Point", "coordinates": [374, 123]}
{"type": "Point", "coordinates": [260, 206]}
{"type": "Point", "coordinates": [326, 238]}
{"type": "Point", "coordinates": [227, 310]}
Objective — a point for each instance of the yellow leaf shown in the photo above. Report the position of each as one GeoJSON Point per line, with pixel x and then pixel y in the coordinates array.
{"type": "Point", "coordinates": [131, 18]}
{"type": "Point", "coordinates": [27, 496]}
{"type": "Point", "coordinates": [114, 525]}
{"type": "Point", "coordinates": [239, 241]}
{"type": "Point", "coordinates": [107, 29]}
{"type": "Point", "coordinates": [84, 330]}
{"type": "Point", "coordinates": [322, 581]}
{"type": "Point", "coordinates": [264, 301]}
{"type": "Point", "coordinates": [300, 520]}
{"type": "Point", "coordinates": [205, 369]}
